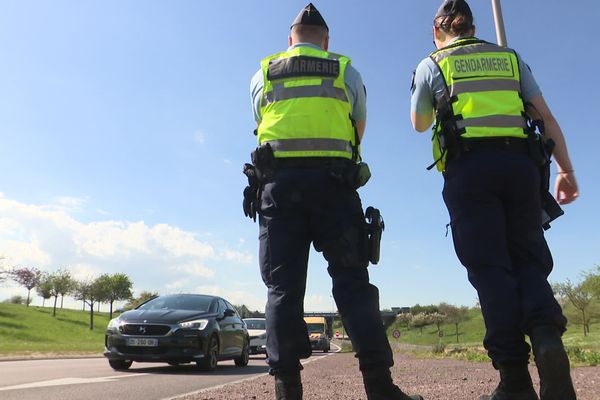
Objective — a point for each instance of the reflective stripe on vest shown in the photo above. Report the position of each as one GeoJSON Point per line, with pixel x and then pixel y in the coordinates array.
{"type": "Point", "coordinates": [305, 111]}
{"type": "Point", "coordinates": [325, 89]}
{"type": "Point", "coordinates": [484, 84]}
{"type": "Point", "coordinates": [290, 145]}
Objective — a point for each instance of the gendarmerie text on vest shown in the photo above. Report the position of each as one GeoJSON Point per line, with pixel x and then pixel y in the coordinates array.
{"type": "Point", "coordinates": [303, 66]}
{"type": "Point", "coordinates": [487, 64]}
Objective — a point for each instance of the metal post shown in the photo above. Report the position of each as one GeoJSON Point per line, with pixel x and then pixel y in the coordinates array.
{"type": "Point", "coordinates": [499, 21]}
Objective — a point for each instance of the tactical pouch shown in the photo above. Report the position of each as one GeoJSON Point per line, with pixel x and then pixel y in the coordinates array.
{"type": "Point", "coordinates": [550, 209]}
{"type": "Point", "coordinates": [375, 227]}
{"type": "Point", "coordinates": [357, 175]}
{"type": "Point", "coordinates": [263, 160]}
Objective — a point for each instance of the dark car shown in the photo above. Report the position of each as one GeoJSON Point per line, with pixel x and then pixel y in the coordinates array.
{"type": "Point", "coordinates": [177, 329]}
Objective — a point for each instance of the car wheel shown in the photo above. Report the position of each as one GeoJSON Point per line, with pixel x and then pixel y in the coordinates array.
{"type": "Point", "coordinates": [242, 360]}
{"type": "Point", "coordinates": [209, 362]}
{"type": "Point", "coordinates": [120, 365]}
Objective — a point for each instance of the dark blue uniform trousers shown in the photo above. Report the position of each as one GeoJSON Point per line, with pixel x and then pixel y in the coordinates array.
{"type": "Point", "coordinates": [493, 197]}
{"type": "Point", "coordinates": [300, 206]}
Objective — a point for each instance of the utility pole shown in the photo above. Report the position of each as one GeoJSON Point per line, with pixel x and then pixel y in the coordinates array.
{"type": "Point", "coordinates": [499, 21]}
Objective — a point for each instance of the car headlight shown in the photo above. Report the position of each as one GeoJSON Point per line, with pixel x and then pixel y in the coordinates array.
{"type": "Point", "coordinates": [198, 324]}
{"type": "Point", "coordinates": [113, 324]}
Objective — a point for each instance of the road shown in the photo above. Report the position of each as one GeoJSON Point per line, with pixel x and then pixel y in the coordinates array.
{"type": "Point", "coordinates": [93, 379]}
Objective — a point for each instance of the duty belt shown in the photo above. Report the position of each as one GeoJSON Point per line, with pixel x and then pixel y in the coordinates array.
{"type": "Point", "coordinates": [501, 143]}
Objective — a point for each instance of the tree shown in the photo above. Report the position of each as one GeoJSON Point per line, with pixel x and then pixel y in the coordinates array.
{"type": "Point", "coordinates": [65, 285]}
{"type": "Point", "coordinates": [142, 298]}
{"type": "Point", "coordinates": [89, 291]}
{"type": "Point", "coordinates": [60, 283]}
{"type": "Point", "coordinates": [438, 319]}
{"type": "Point", "coordinates": [16, 299]}
{"type": "Point", "coordinates": [44, 288]}
{"type": "Point", "coordinates": [404, 318]}
{"type": "Point", "coordinates": [420, 321]}
{"type": "Point", "coordinates": [243, 311]}
{"type": "Point", "coordinates": [591, 282]}
{"type": "Point", "coordinates": [418, 309]}
{"type": "Point", "coordinates": [116, 287]}
{"type": "Point", "coordinates": [28, 277]}
{"type": "Point", "coordinates": [454, 315]}
{"type": "Point", "coordinates": [580, 296]}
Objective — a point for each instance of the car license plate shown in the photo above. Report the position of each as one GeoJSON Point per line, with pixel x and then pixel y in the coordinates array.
{"type": "Point", "coordinates": [142, 342]}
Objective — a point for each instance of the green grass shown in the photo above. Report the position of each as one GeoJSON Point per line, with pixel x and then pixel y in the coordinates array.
{"type": "Point", "coordinates": [583, 350]}
{"type": "Point", "coordinates": [28, 330]}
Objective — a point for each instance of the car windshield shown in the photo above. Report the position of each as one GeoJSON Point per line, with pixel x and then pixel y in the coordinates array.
{"type": "Point", "coordinates": [256, 324]}
{"type": "Point", "coordinates": [195, 303]}
{"type": "Point", "coordinates": [315, 328]}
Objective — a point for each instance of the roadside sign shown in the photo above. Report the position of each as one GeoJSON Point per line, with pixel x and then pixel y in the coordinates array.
{"type": "Point", "coordinates": [396, 334]}
{"type": "Point", "coordinates": [337, 333]}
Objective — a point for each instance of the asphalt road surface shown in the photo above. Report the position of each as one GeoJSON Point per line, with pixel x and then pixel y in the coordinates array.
{"type": "Point", "coordinates": [93, 379]}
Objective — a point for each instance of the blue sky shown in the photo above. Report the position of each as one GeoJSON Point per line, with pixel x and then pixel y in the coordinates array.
{"type": "Point", "coordinates": [124, 126]}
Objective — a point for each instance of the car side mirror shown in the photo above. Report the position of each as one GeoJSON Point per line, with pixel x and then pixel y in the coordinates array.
{"type": "Point", "coordinates": [229, 312]}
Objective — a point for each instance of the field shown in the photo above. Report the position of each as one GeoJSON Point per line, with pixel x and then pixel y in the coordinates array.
{"type": "Point", "coordinates": [30, 330]}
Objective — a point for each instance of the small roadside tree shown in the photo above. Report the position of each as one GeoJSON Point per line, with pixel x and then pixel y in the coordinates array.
{"type": "Point", "coordinates": [116, 287]}
{"type": "Point", "coordinates": [142, 298]}
{"type": "Point", "coordinates": [28, 277]}
{"type": "Point", "coordinates": [61, 283]}
{"type": "Point", "coordinates": [418, 309]}
{"type": "Point", "coordinates": [404, 319]}
{"type": "Point", "coordinates": [243, 311]}
{"type": "Point", "coordinates": [438, 319]}
{"type": "Point", "coordinates": [44, 288]}
{"type": "Point", "coordinates": [89, 291]}
{"type": "Point", "coordinates": [420, 321]}
{"type": "Point", "coordinates": [580, 296]}
{"type": "Point", "coordinates": [591, 282]}
{"type": "Point", "coordinates": [16, 299]}
{"type": "Point", "coordinates": [455, 315]}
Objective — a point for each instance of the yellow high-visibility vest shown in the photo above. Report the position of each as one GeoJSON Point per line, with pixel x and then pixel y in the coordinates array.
{"type": "Point", "coordinates": [305, 109]}
{"type": "Point", "coordinates": [483, 86]}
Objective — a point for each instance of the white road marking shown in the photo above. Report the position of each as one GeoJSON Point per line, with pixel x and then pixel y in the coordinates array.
{"type": "Point", "coordinates": [68, 381]}
{"type": "Point", "coordinates": [303, 362]}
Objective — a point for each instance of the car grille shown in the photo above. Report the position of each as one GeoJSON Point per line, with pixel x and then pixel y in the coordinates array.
{"type": "Point", "coordinates": [144, 330]}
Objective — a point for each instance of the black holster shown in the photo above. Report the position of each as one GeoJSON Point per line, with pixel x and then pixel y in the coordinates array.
{"type": "Point", "coordinates": [540, 151]}
{"type": "Point", "coordinates": [375, 227]}
{"type": "Point", "coordinates": [260, 171]}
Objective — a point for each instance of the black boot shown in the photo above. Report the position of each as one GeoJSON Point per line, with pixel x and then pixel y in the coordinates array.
{"type": "Point", "coordinates": [515, 384]}
{"type": "Point", "coordinates": [379, 386]}
{"type": "Point", "coordinates": [552, 364]}
{"type": "Point", "coordinates": [288, 386]}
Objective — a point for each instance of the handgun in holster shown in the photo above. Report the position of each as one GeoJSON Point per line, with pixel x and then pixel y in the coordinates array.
{"type": "Point", "coordinates": [375, 227]}
{"type": "Point", "coordinates": [448, 134]}
{"type": "Point", "coordinates": [540, 151]}
{"type": "Point", "coordinates": [260, 171]}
